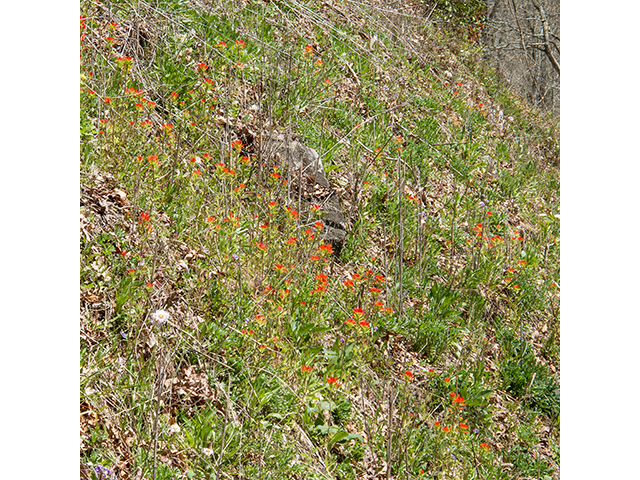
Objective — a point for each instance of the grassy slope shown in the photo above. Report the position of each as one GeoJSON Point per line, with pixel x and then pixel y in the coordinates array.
{"type": "Point", "coordinates": [449, 185]}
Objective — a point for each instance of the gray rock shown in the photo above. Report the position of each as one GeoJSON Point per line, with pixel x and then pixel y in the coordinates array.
{"type": "Point", "coordinates": [309, 181]}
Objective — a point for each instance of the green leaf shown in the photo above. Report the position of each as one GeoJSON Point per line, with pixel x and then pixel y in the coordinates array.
{"type": "Point", "coordinates": [341, 435]}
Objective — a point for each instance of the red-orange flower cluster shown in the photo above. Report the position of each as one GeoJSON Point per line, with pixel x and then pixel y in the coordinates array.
{"type": "Point", "coordinates": [455, 398]}
{"type": "Point", "coordinates": [236, 145]}
{"type": "Point", "coordinates": [326, 248]}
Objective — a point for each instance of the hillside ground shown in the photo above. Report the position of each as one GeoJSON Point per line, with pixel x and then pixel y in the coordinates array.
{"type": "Point", "coordinates": [221, 337]}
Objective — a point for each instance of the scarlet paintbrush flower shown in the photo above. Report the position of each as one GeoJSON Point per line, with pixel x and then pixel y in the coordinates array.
{"type": "Point", "coordinates": [332, 379]}
{"type": "Point", "coordinates": [237, 145]}
{"type": "Point", "coordinates": [326, 247]}
{"type": "Point", "coordinates": [306, 369]}
{"type": "Point", "coordinates": [358, 311]}
{"type": "Point", "coordinates": [459, 400]}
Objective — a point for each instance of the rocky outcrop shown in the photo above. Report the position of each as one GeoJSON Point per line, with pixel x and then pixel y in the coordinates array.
{"type": "Point", "coordinates": [309, 182]}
